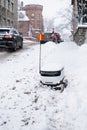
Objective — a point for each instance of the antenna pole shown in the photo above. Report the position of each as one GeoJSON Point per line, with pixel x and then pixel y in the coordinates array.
{"type": "Point", "coordinates": [40, 58]}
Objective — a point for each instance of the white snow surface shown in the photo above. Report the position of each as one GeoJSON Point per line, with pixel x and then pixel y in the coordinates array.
{"type": "Point", "coordinates": [25, 105]}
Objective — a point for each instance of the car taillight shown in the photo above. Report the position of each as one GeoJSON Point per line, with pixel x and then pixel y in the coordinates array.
{"type": "Point", "coordinates": [8, 36]}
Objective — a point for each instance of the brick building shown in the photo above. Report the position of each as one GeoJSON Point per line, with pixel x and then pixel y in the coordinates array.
{"type": "Point", "coordinates": [34, 14]}
{"type": "Point", "coordinates": [8, 12]}
{"type": "Point", "coordinates": [23, 23]}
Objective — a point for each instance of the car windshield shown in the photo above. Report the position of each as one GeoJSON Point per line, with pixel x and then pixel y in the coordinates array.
{"type": "Point", "coordinates": [47, 35]}
{"type": "Point", "coordinates": [4, 31]}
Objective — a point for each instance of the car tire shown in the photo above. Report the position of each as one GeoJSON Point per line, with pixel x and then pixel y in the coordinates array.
{"type": "Point", "coordinates": [21, 45]}
{"type": "Point", "coordinates": [15, 47]}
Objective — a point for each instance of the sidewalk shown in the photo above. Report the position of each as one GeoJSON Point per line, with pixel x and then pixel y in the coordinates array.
{"type": "Point", "coordinates": [30, 40]}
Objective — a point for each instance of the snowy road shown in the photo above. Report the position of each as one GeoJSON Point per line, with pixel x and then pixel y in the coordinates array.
{"type": "Point", "coordinates": [24, 105]}
{"type": "Point", "coordinates": [5, 54]}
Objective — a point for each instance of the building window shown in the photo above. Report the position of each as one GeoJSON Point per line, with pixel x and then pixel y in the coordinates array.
{"type": "Point", "coordinates": [3, 21]}
{"type": "Point", "coordinates": [38, 25]}
{"type": "Point", "coordinates": [32, 16]}
{"type": "Point", "coordinates": [8, 22]}
{"type": "Point", "coordinates": [21, 15]}
{"type": "Point", "coordinates": [4, 3]}
{"type": "Point", "coordinates": [11, 23]}
{"type": "Point", "coordinates": [12, 7]}
{"type": "Point", "coordinates": [38, 16]}
{"type": "Point", "coordinates": [20, 24]}
{"type": "Point", "coordinates": [8, 4]}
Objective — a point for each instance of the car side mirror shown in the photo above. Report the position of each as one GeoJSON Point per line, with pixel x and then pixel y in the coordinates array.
{"type": "Point", "coordinates": [20, 33]}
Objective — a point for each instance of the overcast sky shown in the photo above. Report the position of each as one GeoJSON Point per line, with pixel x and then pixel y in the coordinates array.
{"type": "Point", "coordinates": [50, 7]}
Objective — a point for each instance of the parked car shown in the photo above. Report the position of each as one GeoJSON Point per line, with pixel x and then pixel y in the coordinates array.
{"type": "Point", "coordinates": [57, 38]}
{"type": "Point", "coordinates": [48, 37]}
{"type": "Point", "coordinates": [10, 38]}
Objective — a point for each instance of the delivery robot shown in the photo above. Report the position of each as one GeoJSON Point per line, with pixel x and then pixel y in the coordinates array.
{"type": "Point", "coordinates": [51, 74]}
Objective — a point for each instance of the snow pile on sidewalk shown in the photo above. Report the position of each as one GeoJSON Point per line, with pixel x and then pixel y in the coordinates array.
{"type": "Point", "coordinates": [24, 105]}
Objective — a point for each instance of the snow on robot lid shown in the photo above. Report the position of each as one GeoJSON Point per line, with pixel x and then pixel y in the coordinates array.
{"type": "Point", "coordinates": [52, 67]}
